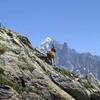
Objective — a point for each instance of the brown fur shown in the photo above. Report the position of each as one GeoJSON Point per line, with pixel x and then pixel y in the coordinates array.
{"type": "Point", "coordinates": [51, 56]}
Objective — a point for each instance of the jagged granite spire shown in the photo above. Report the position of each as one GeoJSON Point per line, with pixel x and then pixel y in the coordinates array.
{"type": "Point", "coordinates": [68, 58]}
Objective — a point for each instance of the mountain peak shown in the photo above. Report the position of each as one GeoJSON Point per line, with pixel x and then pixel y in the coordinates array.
{"type": "Point", "coordinates": [47, 40]}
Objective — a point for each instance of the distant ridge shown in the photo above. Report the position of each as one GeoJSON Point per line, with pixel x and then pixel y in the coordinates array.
{"type": "Point", "coordinates": [70, 59]}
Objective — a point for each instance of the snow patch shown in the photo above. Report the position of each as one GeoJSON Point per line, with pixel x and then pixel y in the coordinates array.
{"type": "Point", "coordinates": [47, 40]}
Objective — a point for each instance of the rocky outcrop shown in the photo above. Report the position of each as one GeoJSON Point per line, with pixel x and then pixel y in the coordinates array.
{"type": "Point", "coordinates": [72, 87]}
{"type": "Point", "coordinates": [78, 89]}
{"type": "Point", "coordinates": [7, 93]}
{"type": "Point", "coordinates": [28, 77]}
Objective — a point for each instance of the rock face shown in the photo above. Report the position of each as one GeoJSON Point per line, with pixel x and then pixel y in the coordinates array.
{"type": "Point", "coordinates": [24, 74]}
{"type": "Point", "coordinates": [82, 63]}
{"type": "Point", "coordinates": [7, 93]}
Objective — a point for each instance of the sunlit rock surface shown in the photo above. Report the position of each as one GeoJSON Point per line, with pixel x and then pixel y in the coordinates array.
{"type": "Point", "coordinates": [24, 75]}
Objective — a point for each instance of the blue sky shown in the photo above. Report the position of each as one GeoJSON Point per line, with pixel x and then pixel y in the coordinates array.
{"type": "Point", "coordinates": [75, 21]}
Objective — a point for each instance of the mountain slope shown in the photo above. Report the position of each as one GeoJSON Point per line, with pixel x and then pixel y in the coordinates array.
{"type": "Point", "coordinates": [83, 63]}
{"type": "Point", "coordinates": [24, 75]}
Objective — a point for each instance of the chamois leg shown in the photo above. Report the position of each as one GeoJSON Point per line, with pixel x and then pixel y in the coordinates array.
{"type": "Point", "coordinates": [52, 61]}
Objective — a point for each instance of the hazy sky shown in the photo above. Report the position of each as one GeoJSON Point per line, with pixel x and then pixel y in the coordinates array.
{"type": "Point", "coordinates": [75, 21]}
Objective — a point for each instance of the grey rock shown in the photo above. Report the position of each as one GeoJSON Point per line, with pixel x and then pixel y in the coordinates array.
{"type": "Point", "coordinates": [74, 88]}
{"type": "Point", "coordinates": [18, 59]}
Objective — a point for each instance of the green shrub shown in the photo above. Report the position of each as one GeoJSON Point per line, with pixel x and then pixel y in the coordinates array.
{"type": "Point", "coordinates": [1, 70]}
{"type": "Point", "coordinates": [2, 49]}
{"type": "Point", "coordinates": [18, 88]}
{"type": "Point", "coordinates": [64, 72]}
{"type": "Point", "coordinates": [87, 85]}
{"type": "Point", "coordinates": [5, 81]}
{"type": "Point", "coordinates": [31, 69]}
{"type": "Point", "coordinates": [29, 89]}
